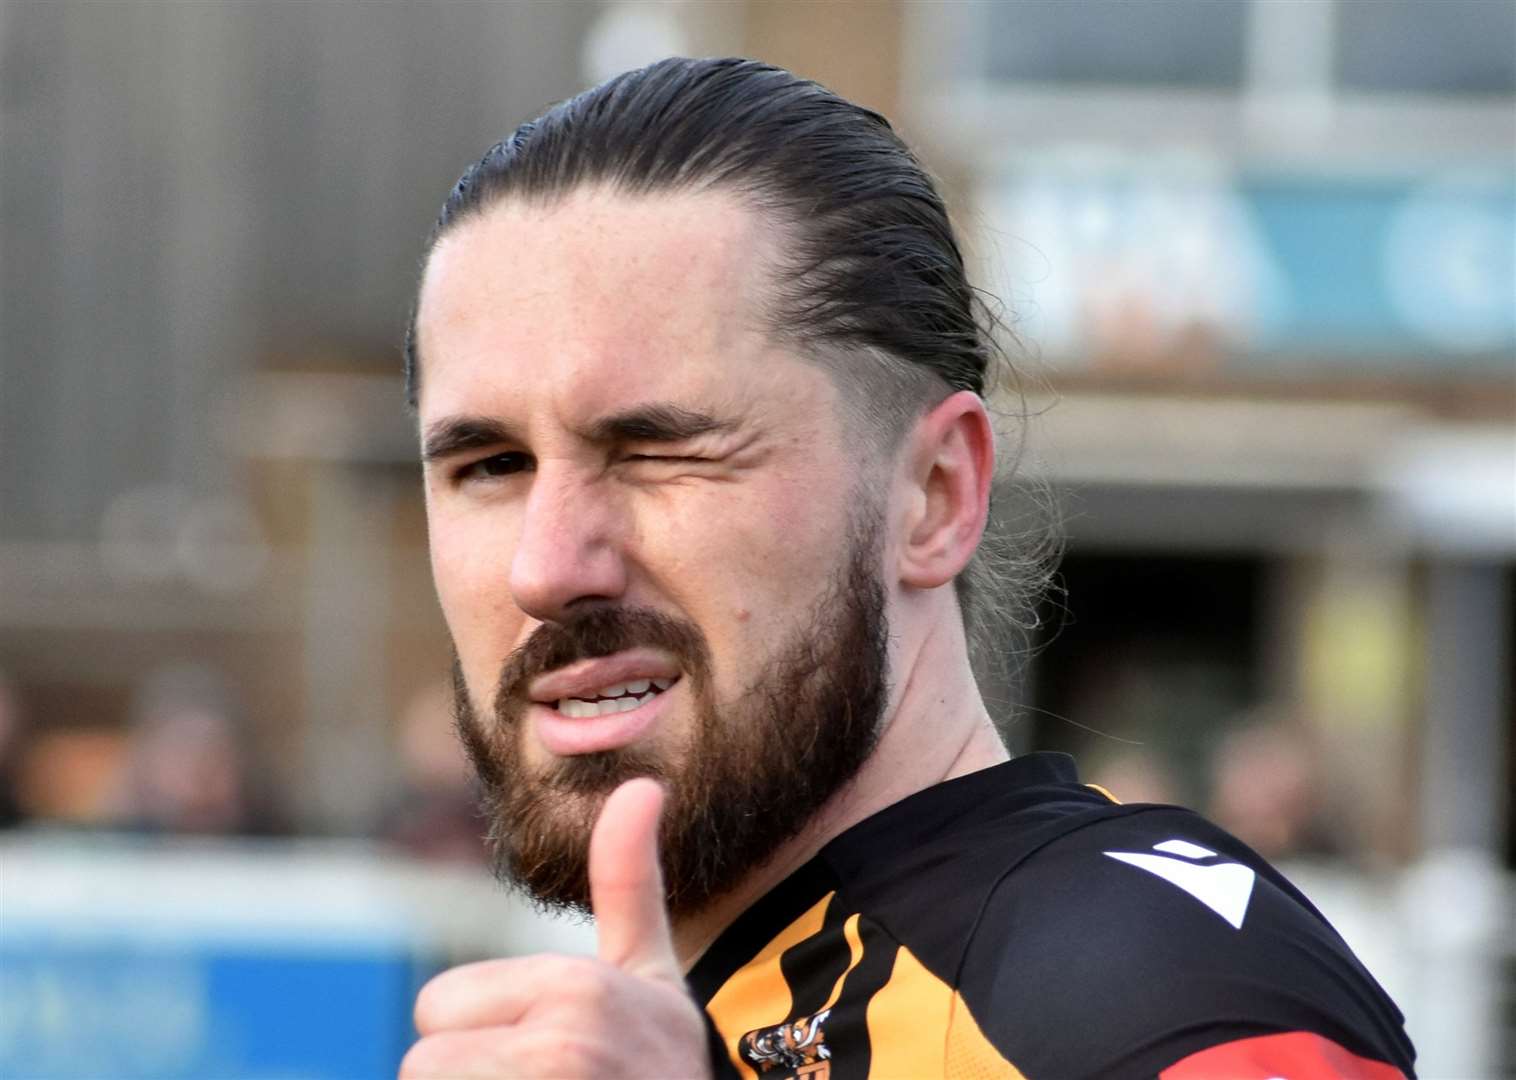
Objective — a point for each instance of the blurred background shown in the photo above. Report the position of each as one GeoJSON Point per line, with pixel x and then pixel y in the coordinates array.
{"type": "Point", "coordinates": [1258, 265]}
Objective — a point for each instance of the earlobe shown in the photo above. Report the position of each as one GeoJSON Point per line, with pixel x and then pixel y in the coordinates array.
{"type": "Point", "coordinates": [951, 465]}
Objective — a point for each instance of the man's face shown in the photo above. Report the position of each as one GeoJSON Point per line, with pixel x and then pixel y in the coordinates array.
{"type": "Point", "coordinates": [652, 548]}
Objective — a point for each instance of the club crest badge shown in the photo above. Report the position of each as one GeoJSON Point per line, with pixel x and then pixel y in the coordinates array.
{"type": "Point", "coordinates": [798, 1046]}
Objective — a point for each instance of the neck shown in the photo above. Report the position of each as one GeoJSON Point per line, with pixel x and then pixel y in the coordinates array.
{"type": "Point", "coordinates": [937, 728]}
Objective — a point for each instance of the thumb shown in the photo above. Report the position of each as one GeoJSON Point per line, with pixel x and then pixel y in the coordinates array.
{"type": "Point", "coordinates": [626, 883]}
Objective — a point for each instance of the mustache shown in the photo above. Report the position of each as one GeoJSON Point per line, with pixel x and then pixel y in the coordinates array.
{"type": "Point", "coordinates": [600, 632]}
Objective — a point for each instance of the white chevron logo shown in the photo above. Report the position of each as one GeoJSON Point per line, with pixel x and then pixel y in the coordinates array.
{"type": "Point", "coordinates": [1225, 888]}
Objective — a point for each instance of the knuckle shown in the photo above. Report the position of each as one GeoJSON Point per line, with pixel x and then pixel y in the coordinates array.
{"type": "Point", "coordinates": [442, 1001]}
{"type": "Point", "coordinates": [428, 1011]}
{"type": "Point", "coordinates": [418, 1062]}
{"type": "Point", "coordinates": [593, 990]}
{"type": "Point", "coordinates": [576, 975]}
{"type": "Point", "coordinates": [582, 968]}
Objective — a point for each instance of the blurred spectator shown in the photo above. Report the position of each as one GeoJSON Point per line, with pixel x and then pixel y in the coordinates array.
{"type": "Point", "coordinates": [435, 813]}
{"type": "Point", "coordinates": [1266, 788]}
{"type": "Point", "coordinates": [67, 775]}
{"type": "Point", "coordinates": [188, 767]}
{"type": "Point", "coordinates": [11, 724]}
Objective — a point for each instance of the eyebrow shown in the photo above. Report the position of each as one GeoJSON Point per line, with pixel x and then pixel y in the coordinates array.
{"type": "Point", "coordinates": [660, 422]}
{"type": "Point", "coordinates": [656, 422]}
{"type": "Point", "coordinates": [460, 434]}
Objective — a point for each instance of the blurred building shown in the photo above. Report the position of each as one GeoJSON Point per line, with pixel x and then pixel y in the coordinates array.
{"type": "Point", "coordinates": [1258, 266]}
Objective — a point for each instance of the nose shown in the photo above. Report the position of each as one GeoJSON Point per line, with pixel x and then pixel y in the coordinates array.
{"type": "Point", "coordinates": [569, 550]}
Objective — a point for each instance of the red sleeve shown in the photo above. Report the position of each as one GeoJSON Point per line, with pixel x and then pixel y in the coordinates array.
{"type": "Point", "coordinates": [1298, 1055]}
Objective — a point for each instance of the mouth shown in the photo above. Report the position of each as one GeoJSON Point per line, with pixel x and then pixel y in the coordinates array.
{"type": "Point", "coordinates": [620, 698]}
{"type": "Point", "coordinates": [628, 674]}
{"type": "Point", "coordinates": [603, 703]}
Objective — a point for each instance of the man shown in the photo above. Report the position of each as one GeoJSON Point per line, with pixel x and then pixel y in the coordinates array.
{"type": "Point", "coordinates": [707, 462]}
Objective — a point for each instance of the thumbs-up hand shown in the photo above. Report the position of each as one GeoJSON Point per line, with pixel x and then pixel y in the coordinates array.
{"type": "Point", "coordinates": [625, 1014]}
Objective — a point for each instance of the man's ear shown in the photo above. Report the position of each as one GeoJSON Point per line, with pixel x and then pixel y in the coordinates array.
{"type": "Point", "coordinates": [949, 466]}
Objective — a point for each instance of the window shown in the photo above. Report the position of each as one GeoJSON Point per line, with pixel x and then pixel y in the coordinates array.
{"type": "Point", "coordinates": [1426, 47]}
{"type": "Point", "coordinates": [1185, 43]}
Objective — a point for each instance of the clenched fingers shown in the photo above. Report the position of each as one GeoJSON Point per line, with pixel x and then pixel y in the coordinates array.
{"type": "Point", "coordinates": [497, 993]}
{"type": "Point", "coordinates": [461, 1055]}
{"type": "Point", "coordinates": [506, 1054]}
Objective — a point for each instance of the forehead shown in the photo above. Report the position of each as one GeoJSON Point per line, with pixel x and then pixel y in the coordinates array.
{"type": "Point", "coordinates": [596, 285]}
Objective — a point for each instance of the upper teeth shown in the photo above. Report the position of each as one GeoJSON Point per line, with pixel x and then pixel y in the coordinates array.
{"type": "Point", "coordinates": [620, 697]}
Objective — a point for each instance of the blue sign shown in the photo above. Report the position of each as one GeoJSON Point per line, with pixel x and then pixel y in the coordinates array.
{"type": "Point", "coordinates": [1105, 262]}
{"type": "Point", "coordinates": [1390, 266]}
{"type": "Point", "coordinates": [126, 1010]}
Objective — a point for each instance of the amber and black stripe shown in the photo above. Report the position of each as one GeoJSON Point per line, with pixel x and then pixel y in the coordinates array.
{"type": "Point", "coordinates": [978, 930]}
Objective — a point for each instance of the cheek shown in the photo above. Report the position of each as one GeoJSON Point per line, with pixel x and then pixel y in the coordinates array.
{"type": "Point", "coordinates": [470, 565]}
{"type": "Point", "coordinates": [744, 560]}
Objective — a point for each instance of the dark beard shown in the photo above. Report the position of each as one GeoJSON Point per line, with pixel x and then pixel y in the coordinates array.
{"type": "Point", "coordinates": [756, 770]}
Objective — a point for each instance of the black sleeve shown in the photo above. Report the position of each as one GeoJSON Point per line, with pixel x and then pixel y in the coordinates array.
{"type": "Point", "coordinates": [1139, 940]}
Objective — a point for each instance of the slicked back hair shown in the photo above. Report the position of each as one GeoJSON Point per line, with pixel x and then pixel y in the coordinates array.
{"type": "Point", "coordinates": [867, 276]}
